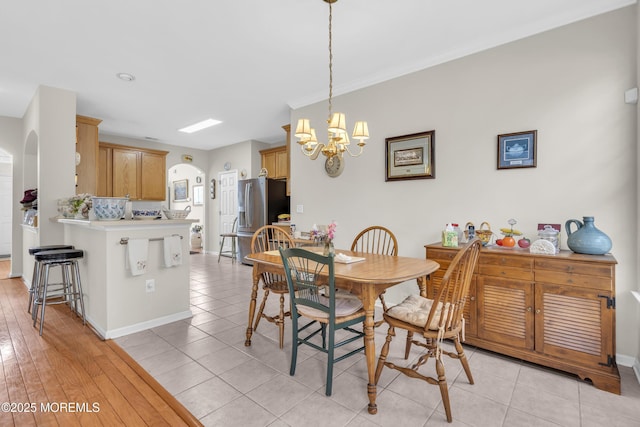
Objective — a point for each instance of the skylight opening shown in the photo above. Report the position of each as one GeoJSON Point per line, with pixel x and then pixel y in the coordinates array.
{"type": "Point", "coordinates": [200, 125]}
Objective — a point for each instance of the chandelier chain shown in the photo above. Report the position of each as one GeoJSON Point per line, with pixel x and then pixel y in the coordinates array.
{"type": "Point", "coordinates": [330, 58]}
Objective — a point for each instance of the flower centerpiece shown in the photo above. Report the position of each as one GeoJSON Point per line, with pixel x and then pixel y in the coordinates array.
{"type": "Point", "coordinates": [196, 228]}
{"type": "Point", "coordinates": [77, 206]}
{"type": "Point", "coordinates": [328, 239]}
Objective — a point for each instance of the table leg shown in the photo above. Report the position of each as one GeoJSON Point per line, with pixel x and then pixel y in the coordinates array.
{"type": "Point", "coordinates": [252, 304]}
{"type": "Point", "coordinates": [368, 301]}
{"type": "Point", "coordinates": [422, 285]}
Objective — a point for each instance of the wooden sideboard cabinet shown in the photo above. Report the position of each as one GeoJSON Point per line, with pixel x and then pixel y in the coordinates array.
{"type": "Point", "coordinates": [137, 172]}
{"type": "Point", "coordinates": [553, 310]}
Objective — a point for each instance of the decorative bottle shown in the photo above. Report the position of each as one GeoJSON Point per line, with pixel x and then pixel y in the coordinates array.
{"type": "Point", "coordinates": [587, 239]}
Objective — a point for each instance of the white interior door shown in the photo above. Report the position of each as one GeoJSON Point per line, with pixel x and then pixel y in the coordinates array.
{"type": "Point", "coordinates": [228, 193]}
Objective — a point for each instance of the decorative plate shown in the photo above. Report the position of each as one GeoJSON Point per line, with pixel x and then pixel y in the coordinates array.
{"type": "Point", "coordinates": [542, 246]}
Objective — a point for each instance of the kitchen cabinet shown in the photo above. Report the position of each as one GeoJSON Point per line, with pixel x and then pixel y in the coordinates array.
{"type": "Point", "coordinates": [275, 161]}
{"type": "Point", "coordinates": [136, 172]}
{"type": "Point", "coordinates": [553, 310]}
{"type": "Point", "coordinates": [86, 154]}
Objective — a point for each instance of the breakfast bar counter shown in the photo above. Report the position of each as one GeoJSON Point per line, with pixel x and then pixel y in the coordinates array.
{"type": "Point", "coordinates": [116, 301]}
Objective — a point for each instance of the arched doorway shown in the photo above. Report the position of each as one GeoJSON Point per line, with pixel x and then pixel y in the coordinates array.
{"type": "Point", "coordinates": [185, 176]}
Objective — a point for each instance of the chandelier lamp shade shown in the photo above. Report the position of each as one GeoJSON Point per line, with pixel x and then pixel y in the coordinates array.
{"type": "Point", "coordinates": [337, 139]}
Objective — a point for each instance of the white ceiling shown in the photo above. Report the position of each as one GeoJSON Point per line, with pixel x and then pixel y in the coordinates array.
{"type": "Point", "coordinates": [245, 62]}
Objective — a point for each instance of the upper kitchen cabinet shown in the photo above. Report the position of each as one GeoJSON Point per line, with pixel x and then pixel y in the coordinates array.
{"type": "Point", "coordinates": [276, 161]}
{"type": "Point", "coordinates": [87, 154]}
{"type": "Point", "coordinates": [137, 172]}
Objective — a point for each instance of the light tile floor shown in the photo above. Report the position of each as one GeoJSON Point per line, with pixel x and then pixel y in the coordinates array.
{"type": "Point", "coordinates": [203, 362]}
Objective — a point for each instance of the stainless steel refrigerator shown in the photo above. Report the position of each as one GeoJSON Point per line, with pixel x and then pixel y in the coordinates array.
{"type": "Point", "coordinates": [260, 201]}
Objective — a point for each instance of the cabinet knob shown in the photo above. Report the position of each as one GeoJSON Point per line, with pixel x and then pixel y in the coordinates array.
{"type": "Point", "coordinates": [529, 309]}
{"type": "Point", "coordinates": [538, 311]}
{"type": "Point", "coordinates": [472, 298]}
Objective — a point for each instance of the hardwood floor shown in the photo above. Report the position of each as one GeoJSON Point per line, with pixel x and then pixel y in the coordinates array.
{"type": "Point", "coordinates": [69, 377]}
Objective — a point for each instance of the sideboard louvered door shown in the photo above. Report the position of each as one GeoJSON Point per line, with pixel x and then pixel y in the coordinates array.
{"type": "Point", "coordinates": [505, 311]}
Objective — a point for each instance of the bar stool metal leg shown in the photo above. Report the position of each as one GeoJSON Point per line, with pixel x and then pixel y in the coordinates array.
{"type": "Point", "coordinates": [36, 269]}
{"type": "Point", "coordinates": [68, 292]}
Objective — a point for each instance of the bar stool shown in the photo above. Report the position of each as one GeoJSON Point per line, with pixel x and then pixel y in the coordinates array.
{"type": "Point", "coordinates": [67, 292]}
{"type": "Point", "coordinates": [233, 235]}
{"type": "Point", "coordinates": [36, 268]}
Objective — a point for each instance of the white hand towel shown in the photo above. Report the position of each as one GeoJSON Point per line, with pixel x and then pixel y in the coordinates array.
{"type": "Point", "coordinates": [137, 255]}
{"type": "Point", "coordinates": [172, 251]}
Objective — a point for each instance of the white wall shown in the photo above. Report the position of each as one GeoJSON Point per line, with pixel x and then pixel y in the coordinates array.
{"type": "Point", "coordinates": [567, 83]}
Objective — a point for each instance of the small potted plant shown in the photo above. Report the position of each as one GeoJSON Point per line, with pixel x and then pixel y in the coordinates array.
{"type": "Point", "coordinates": [196, 237]}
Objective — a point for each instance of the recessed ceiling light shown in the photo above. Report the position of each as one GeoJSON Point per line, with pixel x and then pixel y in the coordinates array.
{"type": "Point", "coordinates": [126, 77]}
{"type": "Point", "coordinates": [200, 125]}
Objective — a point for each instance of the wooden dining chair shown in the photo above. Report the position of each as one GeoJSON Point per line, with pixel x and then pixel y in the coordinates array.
{"type": "Point", "coordinates": [376, 240]}
{"type": "Point", "coordinates": [271, 238]}
{"type": "Point", "coordinates": [435, 320]}
{"type": "Point", "coordinates": [312, 291]}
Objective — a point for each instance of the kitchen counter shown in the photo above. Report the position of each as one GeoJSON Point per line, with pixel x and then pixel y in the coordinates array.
{"type": "Point", "coordinates": [116, 302]}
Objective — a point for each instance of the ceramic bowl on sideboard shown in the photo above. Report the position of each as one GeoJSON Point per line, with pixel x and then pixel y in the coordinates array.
{"type": "Point", "coordinates": [145, 213]}
{"type": "Point", "coordinates": [109, 208]}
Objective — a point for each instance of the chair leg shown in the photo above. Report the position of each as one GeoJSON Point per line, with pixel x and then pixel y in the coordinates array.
{"type": "Point", "coordinates": [383, 353]}
{"type": "Point", "coordinates": [330, 353]}
{"type": "Point", "coordinates": [77, 285]}
{"type": "Point", "coordinates": [34, 282]}
{"type": "Point", "coordinates": [463, 359]}
{"type": "Point", "coordinates": [261, 309]}
{"type": "Point", "coordinates": [220, 251]}
{"type": "Point", "coordinates": [444, 390]}
{"type": "Point", "coordinates": [294, 343]}
{"type": "Point", "coordinates": [407, 347]}
{"type": "Point", "coordinates": [234, 255]}
{"type": "Point", "coordinates": [281, 320]}
{"type": "Point", "coordinates": [44, 298]}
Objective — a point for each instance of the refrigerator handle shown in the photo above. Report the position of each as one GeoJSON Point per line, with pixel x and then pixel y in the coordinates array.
{"type": "Point", "coordinates": [248, 205]}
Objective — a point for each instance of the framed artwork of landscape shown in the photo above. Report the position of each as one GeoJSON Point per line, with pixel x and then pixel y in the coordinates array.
{"type": "Point", "coordinates": [411, 156]}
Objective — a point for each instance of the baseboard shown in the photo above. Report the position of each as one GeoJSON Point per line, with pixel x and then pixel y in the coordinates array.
{"type": "Point", "coordinates": [636, 370]}
{"type": "Point", "coordinates": [624, 360]}
{"type": "Point", "coordinates": [138, 327]}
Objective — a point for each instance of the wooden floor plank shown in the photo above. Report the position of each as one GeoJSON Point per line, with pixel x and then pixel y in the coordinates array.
{"type": "Point", "coordinates": [70, 364]}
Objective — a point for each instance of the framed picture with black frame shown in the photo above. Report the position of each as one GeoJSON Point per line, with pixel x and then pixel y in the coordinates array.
{"type": "Point", "coordinates": [411, 156]}
{"type": "Point", "coordinates": [517, 150]}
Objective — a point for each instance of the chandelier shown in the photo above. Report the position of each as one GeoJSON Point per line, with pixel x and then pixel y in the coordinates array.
{"type": "Point", "coordinates": [338, 138]}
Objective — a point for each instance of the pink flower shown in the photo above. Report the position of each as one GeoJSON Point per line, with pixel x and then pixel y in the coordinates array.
{"type": "Point", "coordinates": [331, 230]}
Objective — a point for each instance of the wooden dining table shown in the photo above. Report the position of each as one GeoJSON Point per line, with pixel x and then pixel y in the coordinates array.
{"type": "Point", "coordinates": [366, 279]}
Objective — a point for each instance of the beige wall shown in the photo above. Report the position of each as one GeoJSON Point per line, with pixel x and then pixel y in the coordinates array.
{"type": "Point", "coordinates": [567, 83]}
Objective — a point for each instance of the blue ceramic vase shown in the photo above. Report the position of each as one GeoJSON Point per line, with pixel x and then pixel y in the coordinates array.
{"type": "Point", "coordinates": [587, 239]}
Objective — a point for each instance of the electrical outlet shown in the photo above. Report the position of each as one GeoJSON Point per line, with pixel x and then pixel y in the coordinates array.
{"type": "Point", "coordinates": [299, 208]}
{"type": "Point", "coordinates": [151, 285]}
